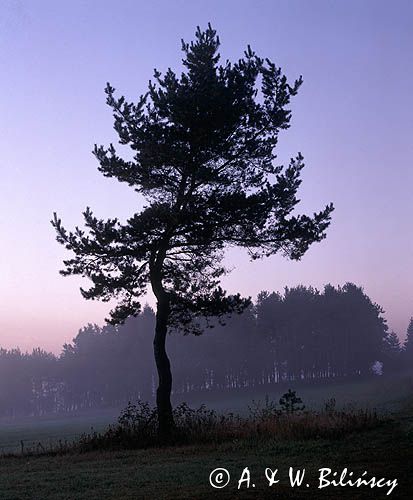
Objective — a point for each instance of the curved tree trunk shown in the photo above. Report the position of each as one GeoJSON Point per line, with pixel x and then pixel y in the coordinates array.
{"type": "Point", "coordinates": [163, 393]}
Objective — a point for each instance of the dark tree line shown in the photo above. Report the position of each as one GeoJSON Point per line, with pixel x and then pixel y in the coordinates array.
{"type": "Point", "coordinates": [302, 334]}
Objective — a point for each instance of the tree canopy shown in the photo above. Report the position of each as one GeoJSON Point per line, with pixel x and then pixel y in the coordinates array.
{"type": "Point", "coordinates": [203, 146]}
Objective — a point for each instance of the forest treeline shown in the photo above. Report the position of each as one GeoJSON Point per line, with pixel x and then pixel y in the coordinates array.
{"type": "Point", "coordinates": [301, 334]}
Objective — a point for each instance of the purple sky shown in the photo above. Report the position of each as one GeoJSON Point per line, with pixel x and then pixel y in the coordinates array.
{"type": "Point", "coordinates": [352, 120]}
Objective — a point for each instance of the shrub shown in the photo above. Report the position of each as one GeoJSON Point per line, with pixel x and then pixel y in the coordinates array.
{"type": "Point", "coordinates": [290, 403]}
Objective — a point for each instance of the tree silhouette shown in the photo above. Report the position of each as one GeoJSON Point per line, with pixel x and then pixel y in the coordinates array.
{"type": "Point", "coordinates": [408, 344]}
{"type": "Point", "coordinates": [203, 158]}
{"type": "Point", "coordinates": [391, 350]}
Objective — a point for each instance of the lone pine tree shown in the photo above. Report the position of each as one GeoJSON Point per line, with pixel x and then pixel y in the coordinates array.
{"type": "Point", "coordinates": [203, 159]}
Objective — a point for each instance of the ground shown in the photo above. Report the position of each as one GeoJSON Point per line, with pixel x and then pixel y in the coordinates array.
{"type": "Point", "coordinates": [183, 472]}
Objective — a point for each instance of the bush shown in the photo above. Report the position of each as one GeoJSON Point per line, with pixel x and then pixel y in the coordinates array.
{"type": "Point", "coordinates": [290, 403]}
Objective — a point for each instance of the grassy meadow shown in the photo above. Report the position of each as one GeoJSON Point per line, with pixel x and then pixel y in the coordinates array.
{"type": "Point", "coordinates": [183, 472]}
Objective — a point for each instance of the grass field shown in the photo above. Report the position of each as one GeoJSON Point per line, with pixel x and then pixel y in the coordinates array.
{"type": "Point", "coordinates": [183, 472]}
{"type": "Point", "coordinates": [49, 430]}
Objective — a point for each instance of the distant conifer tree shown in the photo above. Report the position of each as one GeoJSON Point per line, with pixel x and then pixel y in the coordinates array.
{"type": "Point", "coordinates": [391, 351]}
{"type": "Point", "coordinates": [408, 345]}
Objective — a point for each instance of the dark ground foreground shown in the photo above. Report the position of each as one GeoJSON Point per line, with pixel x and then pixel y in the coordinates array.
{"type": "Point", "coordinates": [183, 473]}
